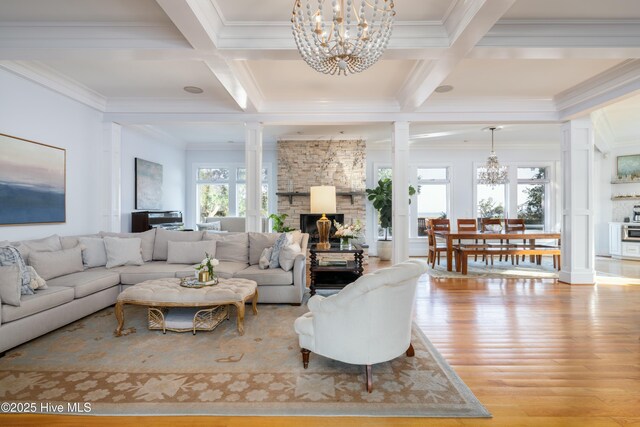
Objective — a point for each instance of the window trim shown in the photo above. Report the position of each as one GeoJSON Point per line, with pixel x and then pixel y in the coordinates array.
{"type": "Point", "coordinates": [413, 209]}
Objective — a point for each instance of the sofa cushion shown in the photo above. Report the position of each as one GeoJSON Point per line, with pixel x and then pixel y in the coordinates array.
{"type": "Point", "coordinates": [190, 252]}
{"type": "Point", "coordinates": [227, 269]}
{"type": "Point", "coordinates": [69, 242]}
{"type": "Point", "coordinates": [161, 245]}
{"type": "Point", "coordinates": [10, 255]}
{"type": "Point", "coordinates": [94, 253]}
{"type": "Point", "coordinates": [87, 282]}
{"type": "Point", "coordinates": [288, 255]}
{"type": "Point", "coordinates": [10, 284]}
{"type": "Point", "coordinates": [258, 242]}
{"type": "Point", "coordinates": [232, 247]}
{"type": "Point", "coordinates": [54, 264]}
{"type": "Point", "coordinates": [123, 251]}
{"type": "Point", "coordinates": [42, 300]}
{"type": "Point", "coordinates": [270, 276]}
{"type": "Point", "coordinates": [132, 275]}
{"type": "Point", "coordinates": [148, 240]}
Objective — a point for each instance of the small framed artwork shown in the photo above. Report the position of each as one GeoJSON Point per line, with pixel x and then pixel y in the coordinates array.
{"type": "Point", "coordinates": [32, 182]}
{"type": "Point", "coordinates": [629, 167]}
{"type": "Point", "coordinates": [148, 184]}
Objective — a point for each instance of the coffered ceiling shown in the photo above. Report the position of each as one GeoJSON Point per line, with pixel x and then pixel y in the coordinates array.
{"type": "Point", "coordinates": [513, 62]}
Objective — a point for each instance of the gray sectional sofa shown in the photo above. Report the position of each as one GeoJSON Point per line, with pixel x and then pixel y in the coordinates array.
{"type": "Point", "coordinates": [72, 296]}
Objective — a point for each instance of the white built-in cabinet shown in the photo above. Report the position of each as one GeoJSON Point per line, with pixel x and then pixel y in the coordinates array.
{"type": "Point", "coordinates": [615, 239]}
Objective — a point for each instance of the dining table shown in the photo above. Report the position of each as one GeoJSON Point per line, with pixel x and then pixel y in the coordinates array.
{"type": "Point", "coordinates": [530, 235]}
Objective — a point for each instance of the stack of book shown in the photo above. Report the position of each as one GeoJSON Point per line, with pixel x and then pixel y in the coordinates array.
{"type": "Point", "coordinates": [332, 262]}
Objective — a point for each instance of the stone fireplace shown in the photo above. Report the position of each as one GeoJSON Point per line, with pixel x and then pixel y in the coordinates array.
{"type": "Point", "coordinates": [303, 164]}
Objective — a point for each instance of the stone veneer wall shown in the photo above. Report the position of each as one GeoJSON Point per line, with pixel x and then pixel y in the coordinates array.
{"type": "Point", "coordinates": [302, 164]}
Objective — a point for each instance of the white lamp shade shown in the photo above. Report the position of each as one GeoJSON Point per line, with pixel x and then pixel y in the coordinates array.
{"type": "Point", "coordinates": [323, 199]}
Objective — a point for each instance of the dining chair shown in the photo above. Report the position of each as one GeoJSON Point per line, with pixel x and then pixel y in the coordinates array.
{"type": "Point", "coordinates": [484, 223]}
{"type": "Point", "coordinates": [517, 225]}
{"type": "Point", "coordinates": [435, 248]}
{"type": "Point", "coordinates": [467, 224]}
{"type": "Point", "coordinates": [439, 224]}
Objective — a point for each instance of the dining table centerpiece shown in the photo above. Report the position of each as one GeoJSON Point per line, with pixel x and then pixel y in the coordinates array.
{"type": "Point", "coordinates": [347, 232]}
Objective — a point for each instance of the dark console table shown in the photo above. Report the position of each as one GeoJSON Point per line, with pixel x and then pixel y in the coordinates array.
{"type": "Point", "coordinates": [334, 276]}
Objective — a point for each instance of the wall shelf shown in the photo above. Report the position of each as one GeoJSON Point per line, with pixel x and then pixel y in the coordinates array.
{"type": "Point", "coordinates": [625, 198]}
{"type": "Point", "coordinates": [291, 195]}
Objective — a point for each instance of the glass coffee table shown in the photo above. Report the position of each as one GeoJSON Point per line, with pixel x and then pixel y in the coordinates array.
{"type": "Point", "coordinates": [336, 267]}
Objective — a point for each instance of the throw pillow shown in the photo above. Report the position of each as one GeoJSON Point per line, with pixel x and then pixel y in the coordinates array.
{"type": "Point", "coordinates": [161, 245]}
{"type": "Point", "coordinates": [37, 282]}
{"type": "Point", "coordinates": [47, 244]}
{"type": "Point", "coordinates": [9, 255]}
{"type": "Point", "coordinates": [190, 252]}
{"type": "Point", "coordinates": [10, 284]}
{"type": "Point", "coordinates": [265, 258]}
{"type": "Point", "coordinates": [93, 252]}
{"type": "Point", "coordinates": [214, 225]}
{"type": "Point", "coordinates": [258, 242]}
{"type": "Point", "coordinates": [288, 255]}
{"type": "Point", "coordinates": [148, 240]}
{"type": "Point", "coordinates": [233, 247]}
{"type": "Point", "coordinates": [123, 251]}
{"type": "Point", "coordinates": [55, 264]}
{"type": "Point", "coordinates": [283, 240]}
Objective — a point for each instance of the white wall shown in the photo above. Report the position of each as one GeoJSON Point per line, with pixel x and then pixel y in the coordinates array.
{"type": "Point", "coordinates": [221, 156]}
{"type": "Point", "coordinates": [460, 159]}
{"type": "Point", "coordinates": [30, 111]}
{"type": "Point", "coordinates": [174, 171]}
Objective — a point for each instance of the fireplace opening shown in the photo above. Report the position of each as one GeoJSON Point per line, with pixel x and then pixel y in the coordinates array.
{"type": "Point", "coordinates": [308, 225]}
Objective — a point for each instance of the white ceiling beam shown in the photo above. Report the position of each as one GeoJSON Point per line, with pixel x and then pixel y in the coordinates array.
{"type": "Point", "coordinates": [611, 85]}
{"type": "Point", "coordinates": [467, 23]}
{"type": "Point", "coordinates": [605, 136]}
{"type": "Point", "coordinates": [199, 22]}
{"type": "Point", "coordinates": [53, 80]}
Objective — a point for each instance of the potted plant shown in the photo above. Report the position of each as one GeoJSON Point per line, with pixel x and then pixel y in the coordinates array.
{"type": "Point", "coordinates": [278, 223]}
{"type": "Point", "coordinates": [381, 196]}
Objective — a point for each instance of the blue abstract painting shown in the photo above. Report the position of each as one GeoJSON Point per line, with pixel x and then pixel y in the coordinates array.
{"type": "Point", "coordinates": [148, 184]}
{"type": "Point", "coordinates": [32, 182]}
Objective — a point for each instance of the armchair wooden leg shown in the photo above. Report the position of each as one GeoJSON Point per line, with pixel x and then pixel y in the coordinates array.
{"type": "Point", "coordinates": [305, 357]}
{"type": "Point", "coordinates": [369, 378]}
{"type": "Point", "coordinates": [410, 351]}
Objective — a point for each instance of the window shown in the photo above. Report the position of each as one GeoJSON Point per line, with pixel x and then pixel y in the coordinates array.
{"type": "Point", "coordinates": [223, 192]}
{"type": "Point", "coordinates": [432, 197]}
{"type": "Point", "coordinates": [382, 173]}
{"type": "Point", "coordinates": [491, 200]}
{"type": "Point", "coordinates": [532, 186]}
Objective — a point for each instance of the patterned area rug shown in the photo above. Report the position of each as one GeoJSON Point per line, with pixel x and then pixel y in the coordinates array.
{"type": "Point", "coordinates": [222, 373]}
{"type": "Point", "coordinates": [476, 269]}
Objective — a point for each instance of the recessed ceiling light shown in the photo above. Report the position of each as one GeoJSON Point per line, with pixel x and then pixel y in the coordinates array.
{"type": "Point", "coordinates": [193, 89]}
{"type": "Point", "coordinates": [341, 132]}
{"type": "Point", "coordinates": [229, 142]}
{"type": "Point", "coordinates": [444, 88]}
{"type": "Point", "coordinates": [300, 133]}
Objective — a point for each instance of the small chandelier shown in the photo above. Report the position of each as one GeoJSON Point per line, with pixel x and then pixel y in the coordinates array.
{"type": "Point", "coordinates": [493, 174]}
{"type": "Point", "coordinates": [339, 37]}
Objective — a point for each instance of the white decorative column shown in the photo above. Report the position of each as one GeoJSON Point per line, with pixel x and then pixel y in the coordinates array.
{"type": "Point", "coordinates": [577, 203]}
{"type": "Point", "coordinates": [253, 165]}
{"type": "Point", "coordinates": [110, 173]}
{"type": "Point", "coordinates": [400, 207]}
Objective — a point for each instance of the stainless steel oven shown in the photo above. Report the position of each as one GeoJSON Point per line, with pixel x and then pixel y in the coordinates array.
{"type": "Point", "coordinates": [631, 233]}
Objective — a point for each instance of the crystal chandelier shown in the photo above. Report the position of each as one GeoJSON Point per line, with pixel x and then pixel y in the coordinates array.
{"type": "Point", "coordinates": [493, 174]}
{"type": "Point", "coordinates": [339, 36]}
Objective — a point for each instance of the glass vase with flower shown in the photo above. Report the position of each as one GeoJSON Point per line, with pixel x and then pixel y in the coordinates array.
{"type": "Point", "coordinates": [347, 232]}
{"type": "Point", "coordinates": [206, 269]}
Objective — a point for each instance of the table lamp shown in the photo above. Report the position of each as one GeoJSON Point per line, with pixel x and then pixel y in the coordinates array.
{"type": "Point", "coordinates": [323, 200]}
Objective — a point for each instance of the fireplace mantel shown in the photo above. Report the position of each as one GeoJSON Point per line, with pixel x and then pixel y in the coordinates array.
{"type": "Point", "coordinates": [291, 195]}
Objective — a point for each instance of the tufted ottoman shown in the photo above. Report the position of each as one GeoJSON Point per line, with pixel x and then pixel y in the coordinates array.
{"type": "Point", "coordinates": [168, 293]}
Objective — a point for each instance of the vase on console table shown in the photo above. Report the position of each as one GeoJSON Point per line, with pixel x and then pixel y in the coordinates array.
{"type": "Point", "coordinates": [345, 243]}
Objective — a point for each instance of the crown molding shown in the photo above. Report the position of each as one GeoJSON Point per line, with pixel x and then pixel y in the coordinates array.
{"type": "Point", "coordinates": [331, 106]}
{"type": "Point", "coordinates": [616, 82]}
{"type": "Point", "coordinates": [225, 146]}
{"type": "Point", "coordinates": [158, 135]}
{"type": "Point", "coordinates": [57, 82]}
{"type": "Point", "coordinates": [156, 105]}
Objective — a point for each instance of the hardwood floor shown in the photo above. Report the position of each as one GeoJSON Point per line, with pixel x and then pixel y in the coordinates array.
{"type": "Point", "coordinates": [535, 352]}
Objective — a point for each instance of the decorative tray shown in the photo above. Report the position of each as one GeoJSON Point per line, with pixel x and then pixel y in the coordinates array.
{"type": "Point", "coordinates": [194, 283]}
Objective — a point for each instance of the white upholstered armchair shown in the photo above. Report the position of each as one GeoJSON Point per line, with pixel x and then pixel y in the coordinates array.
{"type": "Point", "coordinates": [367, 322]}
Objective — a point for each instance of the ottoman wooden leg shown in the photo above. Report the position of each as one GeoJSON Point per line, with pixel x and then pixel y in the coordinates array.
{"type": "Point", "coordinates": [240, 310]}
{"type": "Point", "coordinates": [120, 318]}
{"type": "Point", "coordinates": [254, 302]}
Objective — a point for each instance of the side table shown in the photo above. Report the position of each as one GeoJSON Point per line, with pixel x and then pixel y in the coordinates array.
{"type": "Point", "coordinates": [334, 276]}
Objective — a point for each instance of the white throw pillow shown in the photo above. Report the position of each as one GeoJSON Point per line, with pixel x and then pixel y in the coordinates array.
{"type": "Point", "coordinates": [123, 251]}
{"type": "Point", "coordinates": [37, 282]}
{"type": "Point", "coordinates": [148, 240]}
{"type": "Point", "coordinates": [190, 252]}
{"type": "Point", "coordinates": [94, 253]}
{"type": "Point", "coordinates": [214, 225]}
{"type": "Point", "coordinates": [265, 258]}
{"type": "Point", "coordinates": [10, 284]}
{"type": "Point", "coordinates": [288, 255]}
{"type": "Point", "coordinates": [55, 264]}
